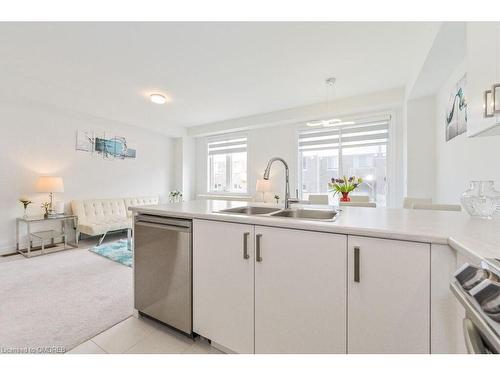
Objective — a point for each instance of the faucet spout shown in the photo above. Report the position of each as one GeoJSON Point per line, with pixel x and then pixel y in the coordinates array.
{"type": "Point", "coordinates": [287, 178]}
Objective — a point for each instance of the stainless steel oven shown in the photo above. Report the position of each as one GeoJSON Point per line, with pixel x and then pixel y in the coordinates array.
{"type": "Point", "coordinates": [478, 291]}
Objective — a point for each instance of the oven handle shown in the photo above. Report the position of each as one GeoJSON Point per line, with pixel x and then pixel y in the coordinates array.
{"type": "Point", "coordinates": [473, 341]}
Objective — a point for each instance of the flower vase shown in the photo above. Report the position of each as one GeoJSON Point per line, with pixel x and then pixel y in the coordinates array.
{"type": "Point", "coordinates": [345, 197]}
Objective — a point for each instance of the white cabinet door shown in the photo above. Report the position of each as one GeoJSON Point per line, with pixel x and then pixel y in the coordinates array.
{"type": "Point", "coordinates": [300, 291]}
{"type": "Point", "coordinates": [223, 284]}
{"type": "Point", "coordinates": [389, 298]}
{"type": "Point", "coordinates": [482, 73]}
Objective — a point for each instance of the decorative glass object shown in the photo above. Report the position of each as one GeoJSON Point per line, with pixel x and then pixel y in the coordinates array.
{"type": "Point", "coordinates": [481, 199]}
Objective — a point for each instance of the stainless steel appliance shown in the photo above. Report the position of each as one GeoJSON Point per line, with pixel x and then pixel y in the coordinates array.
{"type": "Point", "coordinates": [478, 290]}
{"type": "Point", "coordinates": [163, 270]}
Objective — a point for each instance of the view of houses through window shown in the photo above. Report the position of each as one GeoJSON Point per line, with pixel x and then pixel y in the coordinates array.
{"type": "Point", "coordinates": [227, 166]}
{"type": "Point", "coordinates": [359, 149]}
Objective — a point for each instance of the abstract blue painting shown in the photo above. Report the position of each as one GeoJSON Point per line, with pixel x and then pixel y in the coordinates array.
{"type": "Point", "coordinates": [114, 147]}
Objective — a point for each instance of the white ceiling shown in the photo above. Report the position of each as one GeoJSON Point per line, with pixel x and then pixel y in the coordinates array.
{"type": "Point", "coordinates": [211, 71]}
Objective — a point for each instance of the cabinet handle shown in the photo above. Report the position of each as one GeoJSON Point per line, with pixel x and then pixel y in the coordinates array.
{"type": "Point", "coordinates": [356, 264]}
{"type": "Point", "coordinates": [494, 98]}
{"type": "Point", "coordinates": [488, 104]}
{"type": "Point", "coordinates": [245, 245]}
{"type": "Point", "coordinates": [258, 258]}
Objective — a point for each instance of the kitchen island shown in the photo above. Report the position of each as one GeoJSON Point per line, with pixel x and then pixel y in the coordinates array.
{"type": "Point", "coordinates": [373, 280]}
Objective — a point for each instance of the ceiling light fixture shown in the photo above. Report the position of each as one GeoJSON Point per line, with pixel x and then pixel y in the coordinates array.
{"type": "Point", "coordinates": [331, 122]}
{"type": "Point", "coordinates": [339, 123]}
{"type": "Point", "coordinates": [158, 98]}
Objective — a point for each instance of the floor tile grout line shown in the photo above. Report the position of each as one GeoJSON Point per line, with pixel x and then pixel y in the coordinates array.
{"type": "Point", "coordinates": [100, 347]}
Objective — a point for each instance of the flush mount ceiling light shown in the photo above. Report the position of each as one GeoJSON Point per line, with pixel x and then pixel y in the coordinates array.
{"type": "Point", "coordinates": [158, 98]}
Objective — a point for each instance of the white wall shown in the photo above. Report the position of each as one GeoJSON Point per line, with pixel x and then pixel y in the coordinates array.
{"type": "Point", "coordinates": [40, 140]}
{"type": "Point", "coordinates": [461, 159]}
{"type": "Point", "coordinates": [264, 142]}
{"type": "Point", "coordinates": [420, 145]}
{"type": "Point", "coordinates": [185, 172]}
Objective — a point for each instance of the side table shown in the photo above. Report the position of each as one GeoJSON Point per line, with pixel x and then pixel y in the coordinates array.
{"type": "Point", "coordinates": [45, 235]}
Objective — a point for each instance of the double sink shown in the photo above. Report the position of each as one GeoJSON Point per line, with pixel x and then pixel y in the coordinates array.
{"type": "Point", "coordinates": [301, 214]}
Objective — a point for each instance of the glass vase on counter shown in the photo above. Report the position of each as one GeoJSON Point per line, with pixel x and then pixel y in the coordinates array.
{"type": "Point", "coordinates": [481, 199]}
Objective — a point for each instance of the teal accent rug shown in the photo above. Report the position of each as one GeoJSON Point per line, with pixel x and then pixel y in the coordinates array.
{"type": "Point", "coordinates": [117, 251]}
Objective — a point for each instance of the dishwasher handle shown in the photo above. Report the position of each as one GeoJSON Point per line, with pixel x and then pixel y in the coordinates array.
{"type": "Point", "coordinates": [163, 220]}
{"type": "Point", "coordinates": [162, 226]}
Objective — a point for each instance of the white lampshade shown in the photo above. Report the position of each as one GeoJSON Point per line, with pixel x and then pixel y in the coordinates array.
{"type": "Point", "coordinates": [263, 186]}
{"type": "Point", "coordinates": [49, 184]}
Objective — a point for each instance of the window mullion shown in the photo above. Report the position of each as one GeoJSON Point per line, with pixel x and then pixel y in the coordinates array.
{"type": "Point", "coordinates": [341, 165]}
{"type": "Point", "coordinates": [228, 172]}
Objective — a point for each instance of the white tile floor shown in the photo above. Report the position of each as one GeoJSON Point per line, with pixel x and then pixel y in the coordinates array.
{"type": "Point", "coordinates": [143, 336]}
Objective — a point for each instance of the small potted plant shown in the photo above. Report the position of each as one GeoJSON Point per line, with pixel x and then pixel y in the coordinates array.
{"type": "Point", "coordinates": [175, 196]}
{"type": "Point", "coordinates": [344, 186]}
{"type": "Point", "coordinates": [25, 202]}
{"type": "Point", "coordinates": [46, 207]}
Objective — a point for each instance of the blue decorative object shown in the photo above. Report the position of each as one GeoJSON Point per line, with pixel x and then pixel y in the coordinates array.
{"type": "Point", "coordinates": [107, 147]}
{"type": "Point", "coordinates": [117, 251]}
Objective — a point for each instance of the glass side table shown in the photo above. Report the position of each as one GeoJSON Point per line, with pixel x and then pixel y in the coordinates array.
{"type": "Point", "coordinates": [46, 235]}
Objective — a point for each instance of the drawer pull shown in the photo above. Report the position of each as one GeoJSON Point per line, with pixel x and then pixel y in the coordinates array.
{"type": "Point", "coordinates": [356, 264]}
{"type": "Point", "coordinates": [258, 256]}
{"type": "Point", "coordinates": [245, 245]}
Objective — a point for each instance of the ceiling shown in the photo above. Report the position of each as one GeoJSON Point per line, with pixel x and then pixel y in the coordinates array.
{"type": "Point", "coordinates": [448, 49]}
{"type": "Point", "coordinates": [210, 71]}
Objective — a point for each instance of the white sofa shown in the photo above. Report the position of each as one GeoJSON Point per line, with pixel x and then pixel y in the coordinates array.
{"type": "Point", "coordinates": [96, 217]}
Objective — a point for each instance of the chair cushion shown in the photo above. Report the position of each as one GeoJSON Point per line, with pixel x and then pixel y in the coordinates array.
{"type": "Point", "coordinates": [98, 227]}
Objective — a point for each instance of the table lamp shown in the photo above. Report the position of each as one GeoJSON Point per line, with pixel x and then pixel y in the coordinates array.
{"type": "Point", "coordinates": [263, 186]}
{"type": "Point", "coordinates": [51, 185]}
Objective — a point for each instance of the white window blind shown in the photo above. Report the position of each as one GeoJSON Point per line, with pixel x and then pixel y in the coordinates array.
{"type": "Point", "coordinates": [367, 133]}
{"type": "Point", "coordinates": [227, 146]}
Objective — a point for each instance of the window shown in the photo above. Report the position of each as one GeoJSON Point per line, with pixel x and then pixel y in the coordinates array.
{"type": "Point", "coordinates": [358, 149]}
{"type": "Point", "coordinates": [227, 165]}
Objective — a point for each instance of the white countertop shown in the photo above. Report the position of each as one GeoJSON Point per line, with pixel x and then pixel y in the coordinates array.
{"type": "Point", "coordinates": [476, 238]}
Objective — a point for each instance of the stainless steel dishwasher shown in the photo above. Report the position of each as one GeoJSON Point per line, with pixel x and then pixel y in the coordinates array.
{"type": "Point", "coordinates": [163, 270]}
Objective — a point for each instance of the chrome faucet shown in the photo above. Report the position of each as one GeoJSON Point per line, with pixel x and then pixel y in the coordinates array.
{"type": "Point", "coordinates": [288, 200]}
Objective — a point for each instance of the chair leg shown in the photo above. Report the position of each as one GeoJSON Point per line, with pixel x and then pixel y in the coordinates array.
{"type": "Point", "coordinates": [101, 239]}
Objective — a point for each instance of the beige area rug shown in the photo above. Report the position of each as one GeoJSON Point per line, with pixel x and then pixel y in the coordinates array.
{"type": "Point", "coordinates": [54, 302]}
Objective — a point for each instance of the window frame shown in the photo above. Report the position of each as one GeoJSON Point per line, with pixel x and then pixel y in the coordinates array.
{"type": "Point", "coordinates": [390, 152]}
{"type": "Point", "coordinates": [209, 165]}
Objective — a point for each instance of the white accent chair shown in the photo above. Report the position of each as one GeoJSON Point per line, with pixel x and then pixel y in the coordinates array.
{"type": "Point", "coordinates": [437, 207]}
{"type": "Point", "coordinates": [358, 204]}
{"type": "Point", "coordinates": [97, 217]}
{"type": "Point", "coordinates": [409, 201]}
{"type": "Point", "coordinates": [359, 198]}
{"type": "Point", "coordinates": [318, 199]}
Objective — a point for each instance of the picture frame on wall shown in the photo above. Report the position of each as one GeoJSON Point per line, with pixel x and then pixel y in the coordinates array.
{"type": "Point", "coordinates": [456, 110]}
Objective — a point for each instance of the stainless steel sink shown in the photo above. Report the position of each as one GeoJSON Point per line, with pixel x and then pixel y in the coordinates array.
{"type": "Point", "coordinates": [306, 214]}
{"type": "Point", "coordinates": [250, 210]}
